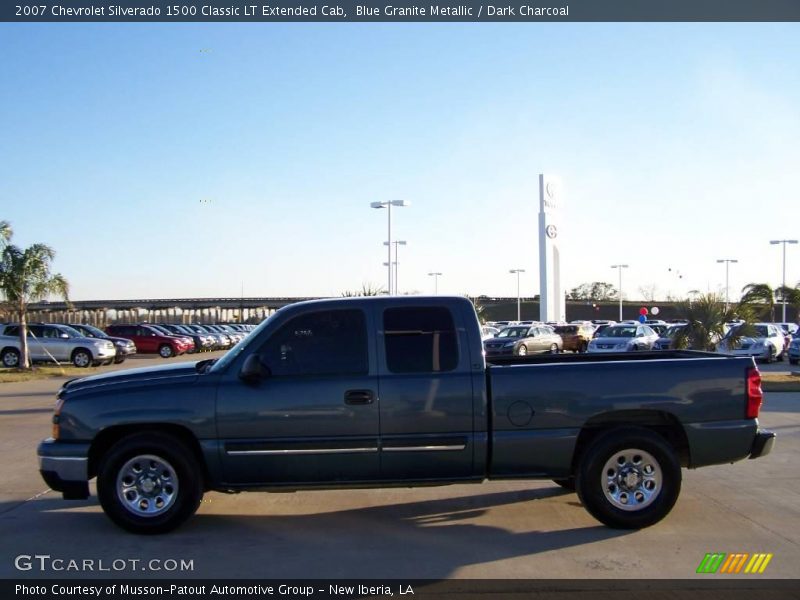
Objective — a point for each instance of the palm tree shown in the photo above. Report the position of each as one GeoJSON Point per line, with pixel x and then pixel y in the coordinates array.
{"type": "Point", "coordinates": [5, 233]}
{"type": "Point", "coordinates": [25, 277]}
{"type": "Point", "coordinates": [706, 317]}
{"type": "Point", "coordinates": [761, 297]}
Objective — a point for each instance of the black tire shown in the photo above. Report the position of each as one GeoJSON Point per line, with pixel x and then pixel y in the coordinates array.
{"type": "Point", "coordinates": [567, 483]}
{"type": "Point", "coordinates": [11, 358]}
{"type": "Point", "coordinates": [119, 360]}
{"type": "Point", "coordinates": [629, 443]}
{"type": "Point", "coordinates": [184, 476]}
{"type": "Point", "coordinates": [82, 358]}
{"type": "Point", "coordinates": [166, 351]}
{"type": "Point", "coordinates": [553, 348]}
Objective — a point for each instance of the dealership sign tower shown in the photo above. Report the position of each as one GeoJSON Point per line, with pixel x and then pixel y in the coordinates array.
{"type": "Point", "coordinates": [552, 305]}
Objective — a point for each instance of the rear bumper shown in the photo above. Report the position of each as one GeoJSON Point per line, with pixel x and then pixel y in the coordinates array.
{"type": "Point", "coordinates": [65, 468]}
{"type": "Point", "coordinates": [763, 444]}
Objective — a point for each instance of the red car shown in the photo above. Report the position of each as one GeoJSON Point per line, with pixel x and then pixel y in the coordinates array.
{"type": "Point", "coordinates": [149, 340]}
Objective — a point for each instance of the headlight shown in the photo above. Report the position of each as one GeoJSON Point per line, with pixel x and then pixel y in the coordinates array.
{"type": "Point", "coordinates": [508, 344]}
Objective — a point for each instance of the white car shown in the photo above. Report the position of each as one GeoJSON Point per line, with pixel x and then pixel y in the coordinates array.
{"type": "Point", "coordinates": [766, 344]}
{"type": "Point", "coordinates": [624, 338]}
{"type": "Point", "coordinates": [61, 343]}
{"type": "Point", "coordinates": [488, 332]}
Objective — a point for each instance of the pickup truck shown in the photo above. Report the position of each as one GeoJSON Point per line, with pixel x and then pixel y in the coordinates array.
{"type": "Point", "coordinates": [388, 391]}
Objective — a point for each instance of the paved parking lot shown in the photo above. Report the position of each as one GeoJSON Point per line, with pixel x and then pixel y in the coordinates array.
{"type": "Point", "coordinates": [492, 530]}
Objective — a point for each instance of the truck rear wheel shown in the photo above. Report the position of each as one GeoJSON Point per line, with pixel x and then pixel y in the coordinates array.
{"type": "Point", "coordinates": [629, 478]}
{"type": "Point", "coordinates": [148, 483]}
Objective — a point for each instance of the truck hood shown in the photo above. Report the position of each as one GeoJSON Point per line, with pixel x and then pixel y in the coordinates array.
{"type": "Point", "coordinates": [132, 375]}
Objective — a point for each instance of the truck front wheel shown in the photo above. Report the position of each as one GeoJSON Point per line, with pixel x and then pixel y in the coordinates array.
{"type": "Point", "coordinates": [147, 483]}
{"type": "Point", "coordinates": [629, 478]}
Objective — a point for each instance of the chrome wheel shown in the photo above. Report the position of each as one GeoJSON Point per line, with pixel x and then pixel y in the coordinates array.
{"type": "Point", "coordinates": [553, 348]}
{"type": "Point", "coordinates": [147, 485]}
{"type": "Point", "coordinates": [165, 351]}
{"type": "Point", "coordinates": [631, 479]}
{"type": "Point", "coordinates": [522, 351]}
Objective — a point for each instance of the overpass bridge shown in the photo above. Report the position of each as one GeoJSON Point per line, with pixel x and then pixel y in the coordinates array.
{"type": "Point", "coordinates": [159, 310]}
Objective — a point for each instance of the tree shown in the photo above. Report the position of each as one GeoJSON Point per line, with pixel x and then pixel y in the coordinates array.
{"type": "Point", "coordinates": [25, 277]}
{"type": "Point", "coordinates": [597, 290]}
{"type": "Point", "coordinates": [761, 298]}
{"type": "Point", "coordinates": [367, 289]}
{"type": "Point", "coordinates": [649, 292]}
{"type": "Point", "coordinates": [706, 317]}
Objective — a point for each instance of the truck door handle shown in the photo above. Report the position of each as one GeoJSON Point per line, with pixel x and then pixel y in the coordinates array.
{"type": "Point", "coordinates": [359, 397]}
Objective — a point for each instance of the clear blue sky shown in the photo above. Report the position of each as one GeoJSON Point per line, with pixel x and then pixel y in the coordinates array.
{"type": "Point", "coordinates": [187, 160]}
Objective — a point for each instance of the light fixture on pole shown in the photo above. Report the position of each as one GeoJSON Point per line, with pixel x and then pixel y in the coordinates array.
{"type": "Point", "coordinates": [435, 281]}
{"type": "Point", "coordinates": [620, 267]}
{"type": "Point", "coordinates": [517, 271]}
{"type": "Point", "coordinates": [784, 242]}
{"type": "Point", "coordinates": [396, 261]}
{"type": "Point", "coordinates": [727, 262]}
{"type": "Point", "coordinates": [388, 204]}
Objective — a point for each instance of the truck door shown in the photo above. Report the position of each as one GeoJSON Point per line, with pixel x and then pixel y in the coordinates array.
{"type": "Point", "coordinates": [314, 418]}
{"type": "Point", "coordinates": [426, 395]}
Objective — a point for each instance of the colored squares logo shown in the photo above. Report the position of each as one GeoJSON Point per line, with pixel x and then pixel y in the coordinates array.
{"type": "Point", "coordinates": [735, 563]}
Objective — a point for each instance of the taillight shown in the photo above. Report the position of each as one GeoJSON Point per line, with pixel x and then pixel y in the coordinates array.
{"type": "Point", "coordinates": [57, 418]}
{"type": "Point", "coordinates": [754, 394]}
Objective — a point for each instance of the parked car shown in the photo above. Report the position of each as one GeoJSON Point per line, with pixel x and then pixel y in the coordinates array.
{"type": "Point", "coordinates": [223, 341]}
{"type": "Point", "coordinates": [575, 338]}
{"type": "Point", "coordinates": [659, 328]}
{"type": "Point", "coordinates": [150, 340]}
{"type": "Point", "coordinates": [296, 407]}
{"type": "Point", "coordinates": [520, 340]}
{"type": "Point", "coordinates": [202, 342]}
{"type": "Point", "coordinates": [488, 333]}
{"type": "Point", "coordinates": [123, 346]}
{"type": "Point", "coordinates": [600, 328]}
{"type": "Point", "coordinates": [187, 338]}
{"type": "Point", "coordinates": [794, 349]}
{"type": "Point", "coordinates": [624, 338]}
{"type": "Point", "coordinates": [763, 341]}
{"type": "Point", "coordinates": [664, 342]}
{"type": "Point", "coordinates": [48, 343]}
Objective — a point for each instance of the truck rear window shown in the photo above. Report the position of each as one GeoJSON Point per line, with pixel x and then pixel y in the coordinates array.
{"type": "Point", "coordinates": [420, 340]}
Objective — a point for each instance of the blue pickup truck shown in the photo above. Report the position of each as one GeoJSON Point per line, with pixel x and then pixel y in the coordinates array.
{"type": "Point", "coordinates": [388, 391]}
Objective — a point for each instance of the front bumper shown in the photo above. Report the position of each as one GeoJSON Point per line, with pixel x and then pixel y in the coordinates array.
{"type": "Point", "coordinates": [763, 444]}
{"type": "Point", "coordinates": [65, 468]}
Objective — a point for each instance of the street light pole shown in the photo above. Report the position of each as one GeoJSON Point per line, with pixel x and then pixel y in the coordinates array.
{"type": "Point", "coordinates": [387, 204]}
{"type": "Point", "coordinates": [435, 282]}
{"type": "Point", "coordinates": [727, 262]}
{"type": "Point", "coordinates": [517, 271]}
{"type": "Point", "coordinates": [620, 267]}
{"type": "Point", "coordinates": [396, 262]}
{"type": "Point", "coordinates": [783, 285]}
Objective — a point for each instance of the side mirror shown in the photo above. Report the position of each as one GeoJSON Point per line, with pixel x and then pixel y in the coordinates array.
{"type": "Point", "coordinates": [253, 370]}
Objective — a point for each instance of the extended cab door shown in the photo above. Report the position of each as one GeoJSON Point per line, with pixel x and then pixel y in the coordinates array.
{"type": "Point", "coordinates": [426, 394]}
{"type": "Point", "coordinates": [313, 419]}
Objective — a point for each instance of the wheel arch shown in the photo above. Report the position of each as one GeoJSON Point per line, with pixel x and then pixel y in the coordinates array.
{"type": "Point", "coordinates": [663, 423]}
{"type": "Point", "coordinates": [104, 441]}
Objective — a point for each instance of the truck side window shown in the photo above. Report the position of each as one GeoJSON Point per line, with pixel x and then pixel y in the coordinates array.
{"type": "Point", "coordinates": [420, 340]}
{"type": "Point", "coordinates": [332, 342]}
